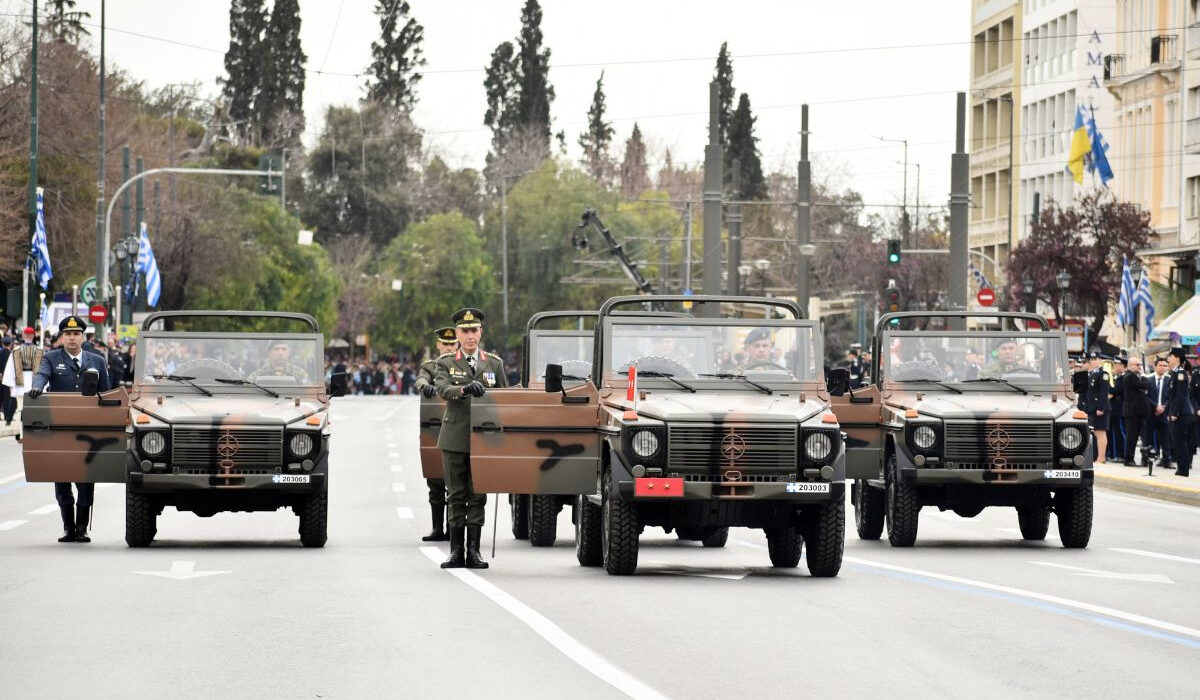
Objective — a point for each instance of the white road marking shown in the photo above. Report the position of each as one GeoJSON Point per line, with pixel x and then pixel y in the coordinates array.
{"type": "Point", "coordinates": [181, 571]}
{"type": "Point", "coordinates": [397, 468]}
{"type": "Point", "coordinates": [399, 487]}
{"type": "Point", "coordinates": [393, 455]}
{"type": "Point", "coordinates": [385, 416]}
{"type": "Point", "coordinates": [391, 445]}
{"type": "Point", "coordinates": [404, 513]}
{"type": "Point", "coordinates": [1017, 531]}
{"type": "Point", "coordinates": [1107, 495]}
{"type": "Point", "coordinates": [1100, 573]}
{"type": "Point", "coordinates": [570, 647]}
{"type": "Point", "coordinates": [105, 486]}
{"type": "Point", "coordinates": [1156, 555]}
{"type": "Point", "coordinates": [48, 508]}
{"type": "Point", "coordinates": [10, 524]}
{"type": "Point", "coordinates": [12, 477]}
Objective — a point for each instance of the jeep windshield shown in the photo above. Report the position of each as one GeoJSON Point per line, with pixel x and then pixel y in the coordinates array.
{"type": "Point", "coordinates": [570, 349]}
{"type": "Point", "coordinates": [995, 361]}
{"type": "Point", "coordinates": [710, 354]}
{"type": "Point", "coordinates": [214, 361]}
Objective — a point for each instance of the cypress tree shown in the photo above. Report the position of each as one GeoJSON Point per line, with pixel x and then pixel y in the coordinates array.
{"type": "Point", "coordinates": [725, 92]}
{"type": "Point", "coordinates": [595, 141]}
{"type": "Point", "coordinates": [244, 63]}
{"type": "Point", "coordinates": [500, 82]}
{"type": "Point", "coordinates": [635, 176]}
{"type": "Point", "coordinates": [280, 115]}
{"type": "Point", "coordinates": [743, 145]}
{"type": "Point", "coordinates": [63, 22]}
{"type": "Point", "coordinates": [535, 93]}
{"type": "Point", "coordinates": [396, 56]}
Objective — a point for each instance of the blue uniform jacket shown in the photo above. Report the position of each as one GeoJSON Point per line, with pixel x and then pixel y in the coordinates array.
{"type": "Point", "coordinates": [57, 372]}
{"type": "Point", "coordinates": [1098, 387]}
{"type": "Point", "coordinates": [1179, 399]}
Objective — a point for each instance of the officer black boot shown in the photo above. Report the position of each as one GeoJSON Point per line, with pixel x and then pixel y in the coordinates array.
{"type": "Point", "coordinates": [456, 549]}
{"type": "Point", "coordinates": [68, 519]}
{"type": "Point", "coordinates": [474, 561]}
{"type": "Point", "coordinates": [438, 534]}
{"type": "Point", "coordinates": [81, 524]}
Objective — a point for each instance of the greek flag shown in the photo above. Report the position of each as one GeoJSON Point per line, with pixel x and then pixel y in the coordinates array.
{"type": "Point", "coordinates": [1143, 297]}
{"type": "Point", "coordinates": [148, 266]}
{"type": "Point", "coordinates": [980, 281]}
{"type": "Point", "coordinates": [1125, 304]}
{"type": "Point", "coordinates": [1097, 161]}
{"type": "Point", "coordinates": [41, 249]}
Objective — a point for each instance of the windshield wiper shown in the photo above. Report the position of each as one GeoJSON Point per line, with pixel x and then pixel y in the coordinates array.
{"type": "Point", "coordinates": [183, 380]}
{"type": "Point", "coordinates": [996, 380]}
{"type": "Point", "coordinates": [744, 378]}
{"type": "Point", "coordinates": [247, 382]}
{"type": "Point", "coordinates": [666, 375]}
{"type": "Point", "coordinates": [931, 381]}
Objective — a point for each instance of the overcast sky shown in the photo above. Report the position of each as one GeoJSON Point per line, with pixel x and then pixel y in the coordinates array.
{"type": "Point", "coordinates": [868, 68]}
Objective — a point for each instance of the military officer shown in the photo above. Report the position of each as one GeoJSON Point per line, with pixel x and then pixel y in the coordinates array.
{"type": "Point", "coordinates": [62, 370]}
{"type": "Point", "coordinates": [447, 343]}
{"type": "Point", "coordinates": [1181, 412]}
{"type": "Point", "coordinates": [1096, 403]}
{"type": "Point", "coordinates": [468, 372]}
{"type": "Point", "coordinates": [757, 348]}
{"type": "Point", "coordinates": [279, 363]}
{"type": "Point", "coordinates": [1008, 359]}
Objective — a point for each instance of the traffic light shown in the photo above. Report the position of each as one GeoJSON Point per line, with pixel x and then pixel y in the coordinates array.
{"type": "Point", "coordinates": [893, 251]}
{"type": "Point", "coordinates": [892, 300]}
{"type": "Point", "coordinates": [268, 184]}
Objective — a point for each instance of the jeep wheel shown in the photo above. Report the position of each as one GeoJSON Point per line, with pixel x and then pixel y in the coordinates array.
{"type": "Point", "coordinates": [1074, 509]}
{"type": "Point", "coordinates": [716, 538]}
{"type": "Point", "coordinates": [313, 512]}
{"type": "Point", "coordinates": [868, 510]}
{"type": "Point", "coordinates": [1034, 521]}
{"type": "Point", "coordinates": [619, 532]}
{"type": "Point", "coordinates": [543, 520]}
{"type": "Point", "coordinates": [588, 545]}
{"type": "Point", "coordinates": [903, 508]}
{"type": "Point", "coordinates": [519, 505]}
{"type": "Point", "coordinates": [141, 519]}
{"type": "Point", "coordinates": [825, 538]}
{"type": "Point", "coordinates": [783, 546]}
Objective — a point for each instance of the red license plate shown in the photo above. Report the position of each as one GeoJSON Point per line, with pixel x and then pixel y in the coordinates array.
{"type": "Point", "coordinates": [656, 487]}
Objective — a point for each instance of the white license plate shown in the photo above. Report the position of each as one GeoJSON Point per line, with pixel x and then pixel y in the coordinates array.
{"type": "Point", "coordinates": [291, 478]}
{"type": "Point", "coordinates": [1062, 474]}
{"type": "Point", "coordinates": [807, 487]}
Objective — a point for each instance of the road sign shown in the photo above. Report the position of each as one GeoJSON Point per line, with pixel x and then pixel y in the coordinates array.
{"type": "Point", "coordinates": [87, 291]}
{"type": "Point", "coordinates": [98, 314]}
{"type": "Point", "coordinates": [986, 296]}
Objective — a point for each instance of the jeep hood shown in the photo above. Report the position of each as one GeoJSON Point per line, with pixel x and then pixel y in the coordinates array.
{"type": "Point", "coordinates": [719, 407]}
{"type": "Point", "coordinates": [225, 409]}
{"type": "Point", "coordinates": [990, 405]}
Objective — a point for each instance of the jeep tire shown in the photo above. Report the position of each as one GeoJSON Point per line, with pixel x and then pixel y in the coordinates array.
{"type": "Point", "coordinates": [588, 521]}
{"type": "Point", "coordinates": [314, 518]}
{"type": "Point", "coordinates": [784, 545]}
{"type": "Point", "coordinates": [715, 538]}
{"type": "Point", "coordinates": [519, 506]}
{"type": "Point", "coordinates": [868, 510]}
{"type": "Point", "coordinates": [903, 509]}
{"type": "Point", "coordinates": [141, 519]}
{"type": "Point", "coordinates": [1074, 510]}
{"type": "Point", "coordinates": [825, 538]}
{"type": "Point", "coordinates": [619, 532]}
{"type": "Point", "coordinates": [543, 520]}
{"type": "Point", "coordinates": [1034, 521]}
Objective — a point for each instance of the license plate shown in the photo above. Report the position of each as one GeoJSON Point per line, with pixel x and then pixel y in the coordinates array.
{"type": "Point", "coordinates": [807, 487]}
{"type": "Point", "coordinates": [1061, 474]}
{"type": "Point", "coordinates": [291, 478]}
{"type": "Point", "coordinates": [656, 487]}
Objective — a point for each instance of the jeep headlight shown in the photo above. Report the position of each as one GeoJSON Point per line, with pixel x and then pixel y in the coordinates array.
{"type": "Point", "coordinates": [924, 437]}
{"type": "Point", "coordinates": [153, 443]}
{"type": "Point", "coordinates": [1070, 438]}
{"type": "Point", "coordinates": [300, 444]}
{"type": "Point", "coordinates": [817, 446]}
{"type": "Point", "coordinates": [644, 443]}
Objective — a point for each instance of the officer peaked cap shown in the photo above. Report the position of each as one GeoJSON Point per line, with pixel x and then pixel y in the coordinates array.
{"type": "Point", "coordinates": [467, 318]}
{"type": "Point", "coordinates": [72, 323]}
{"type": "Point", "coordinates": [445, 335]}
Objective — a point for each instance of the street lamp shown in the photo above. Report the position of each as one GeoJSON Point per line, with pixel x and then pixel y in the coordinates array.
{"type": "Point", "coordinates": [762, 265]}
{"type": "Point", "coordinates": [904, 196]}
{"type": "Point", "coordinates": [1030, 301]}
{"type": "Point", "coordinates": [1063, 280]}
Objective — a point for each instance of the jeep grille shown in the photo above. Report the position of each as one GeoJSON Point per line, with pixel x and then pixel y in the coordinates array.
{"type": "Point", "coordinates": [704, 446]}
{"type": "Point", "coordinates": [204, 447]}
{"type": "Point", "coordinates": [1017, 444]}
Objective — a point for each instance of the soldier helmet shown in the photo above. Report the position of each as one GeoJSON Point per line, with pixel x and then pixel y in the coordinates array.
{"type": "Point", "coordinates": [72, 323]}
{"type": "Point", "coordinates": [445, 335]}
{"type": "Point", "coordinates": [467, 318]}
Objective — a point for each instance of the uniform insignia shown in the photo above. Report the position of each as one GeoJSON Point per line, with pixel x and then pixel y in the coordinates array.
{"type": "Point", "coordinates": [490, 377]}
{"type": "Point", "coordinates": [71, 323]}
{"type": "Point", "coordinates": [468, 316]}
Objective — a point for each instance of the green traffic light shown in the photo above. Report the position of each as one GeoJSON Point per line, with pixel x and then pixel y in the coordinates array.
{"type": "Point", "coordinates": [894, 258]}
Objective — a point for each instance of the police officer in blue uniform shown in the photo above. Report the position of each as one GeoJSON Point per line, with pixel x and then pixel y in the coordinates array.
{"type": "Point", "coordinates": [1096, 403]}
{"type": "Point", "coordinates": [62, 370]}
{"type": "Point", "coordinates": [1181, 412]}
{"type": "Point", "coordinates": [1116, 419]}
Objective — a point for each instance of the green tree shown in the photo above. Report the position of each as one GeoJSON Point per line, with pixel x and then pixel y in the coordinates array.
{"type": "Point", "coordinates": [442, 190]}
{"type": "Point", "coordinates": [743, 146]}
{"type": "Point", "coordinates": [533, 72]}
{"type": "Point", "coordinates": [595, 141]}
{"type": "Point", "coordinates": [245, 61]}
{"type": "Point", "coordinates": [725, 91]}
{"type": "Point", "coordinates": [64, 22]}
{"type": "Point", "coordinates": [501, 84]}
{"type": "Point", "coordinates": [280, 108]}
{"type": "Point", "coordinates": [396, 56]}
{"type": "Point", "coordinates": [635, 174]}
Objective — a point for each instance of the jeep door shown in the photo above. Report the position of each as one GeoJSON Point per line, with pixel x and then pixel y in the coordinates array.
{"type": "Point", "coordinates": [533, 441]}
{"type": "Point", "coordinates": [432, 410]}
{"type": "Point", "coordinates": [70, 437]}
{"type": "Point", "coordinates": [860, 417]}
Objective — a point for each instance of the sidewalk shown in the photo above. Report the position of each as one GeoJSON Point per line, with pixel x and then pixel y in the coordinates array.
{"type": "Point", "coordinates": [1164, 485]}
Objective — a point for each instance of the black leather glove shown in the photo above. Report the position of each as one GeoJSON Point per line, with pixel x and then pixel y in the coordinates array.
{"type": "Point", "coordinates": [428, 391]}
{"type": "Point", "coordinates": [474, 389]}
{"type": "Point", "coordinates": [33, 393]}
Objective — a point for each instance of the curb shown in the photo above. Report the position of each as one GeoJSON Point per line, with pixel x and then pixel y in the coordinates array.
{"type": "Point", "coordinates": [1163, 492]}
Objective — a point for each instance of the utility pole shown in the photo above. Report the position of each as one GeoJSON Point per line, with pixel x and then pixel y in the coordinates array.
{"type": "Point", "coordinates": [504, 246]}
{"type": "Point", "coordinates": [140, 198]}
{"type": "Point", "coordinates": [124, 203]}
{"type": "Point", "coordinates": [714, 159]}
{"type": "Point", "coordinates": [734, 220]}
{"type": "Point", "coordinates": [687, 247]}
{"type": "Point", "coordinates": [101, 234]}
{"type": "Point", "coordinates": [33, 169]}
{"type": "Point", "coordinates": [803, 213]}
{"type": "Point", "coordinates": [959, 198]}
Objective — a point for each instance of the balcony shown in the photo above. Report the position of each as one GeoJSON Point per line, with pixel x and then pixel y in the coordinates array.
{"type": "Point", "coordinates": [1191, 136]}
{"type": "Point", "coordinates": [1114, 66]}
{"type": "Point", "coordinates": [1164, 48]}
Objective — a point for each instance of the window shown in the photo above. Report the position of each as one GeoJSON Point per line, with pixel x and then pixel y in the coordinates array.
{"type": "Point", "coordinates": [1193, 197]}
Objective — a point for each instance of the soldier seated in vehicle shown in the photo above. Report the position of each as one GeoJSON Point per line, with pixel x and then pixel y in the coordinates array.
{"type": "Point", "coordinates": [279, 364]}
{"type": "Point", "coordinates": [1008, 360]}
{"type": "Point", "coordinates": [759, 350]}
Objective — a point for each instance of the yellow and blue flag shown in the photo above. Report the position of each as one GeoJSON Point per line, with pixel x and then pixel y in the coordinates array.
{"type": "Point", "coordinates": [1081, 145]}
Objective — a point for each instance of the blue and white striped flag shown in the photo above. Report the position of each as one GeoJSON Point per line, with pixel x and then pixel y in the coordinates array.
{"type": "Point", "coordinates": [980, 281]}
{"type": "Point", "coordinates": [1125, 304]}
{"type": "Point", "coordinates": [1143, 297]}
{"type": "Point", "coordinates": [41, 249]}
{"type": "Point", "coordinates": [147, 265]}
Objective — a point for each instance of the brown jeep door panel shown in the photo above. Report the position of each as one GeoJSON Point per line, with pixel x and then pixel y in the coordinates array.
{"type": "Point", "coordinates": [432, 410]}
{"type": "Point", "coordinates": [70, 437]}
{"type": "Point", "coordinates": [860, 418]}
{"type": "Point", "coordinates": [531, 441]}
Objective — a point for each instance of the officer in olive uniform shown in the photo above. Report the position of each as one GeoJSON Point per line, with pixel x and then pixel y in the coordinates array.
{"type": "Point", "coordinates": [62, 370]}
{"type": "Point", "coordinates": [758, 349]}
{"type": "Point", "coordinates": [447, 342]}
{"type": "Point", "coordinates": [468, 372]}
{"type": "Point", "coordinates": [1096, 403]}
{"type": "Point", "coordinates": [279, 364]}
{"type": "Point", "coordinates": [1181, 412]}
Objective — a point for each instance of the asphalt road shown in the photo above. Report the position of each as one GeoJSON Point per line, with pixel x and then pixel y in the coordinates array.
{"type": "Point", "coordinates": [233, 607]}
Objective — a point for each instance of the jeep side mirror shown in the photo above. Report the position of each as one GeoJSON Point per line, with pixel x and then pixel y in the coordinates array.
{"type": "Point", "coordinates": [838, 380]}
{"type": "Point", "coordinates": [554, 380]}
{"type": "Point", "coordinates": [90, 381]}
{"type": "Point", "coordinates": [337, 384]}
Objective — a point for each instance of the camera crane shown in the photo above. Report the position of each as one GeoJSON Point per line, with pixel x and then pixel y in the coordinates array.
{"type": "Point", "coordinates": [579, 240]}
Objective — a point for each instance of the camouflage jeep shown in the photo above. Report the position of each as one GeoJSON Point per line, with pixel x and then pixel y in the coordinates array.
{"type": "Point", "coordinates": [963, 420]}
{"type": "Point", "coordinates": [665, 433]}
{"type": "Point", "coordinates": [218, 420]}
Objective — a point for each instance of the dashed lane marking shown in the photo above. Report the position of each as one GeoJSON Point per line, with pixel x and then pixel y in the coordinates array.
{"type": "Point", "coordinates": [48, 508]}
{"type": "Point", "coordinates": [1155, 555]}
{"type": "Point", "coordinates": [572, 648]}
{"type": "Point", "coordinates": [397, 468]}
{"type": "Point", "coordinates": [393, 455]}
{"type": "Point", "coordinates": [10, 524]}
{"type": "Point", "coordinates": [399, 487]}
{"type": "Point", "coordinates": [404, 512]}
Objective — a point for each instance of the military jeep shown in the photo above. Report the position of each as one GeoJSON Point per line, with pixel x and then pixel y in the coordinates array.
{"type": "Point", "coordinates": [663, 433]}
{"type": "Point", "coordinates": [941, 427]}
